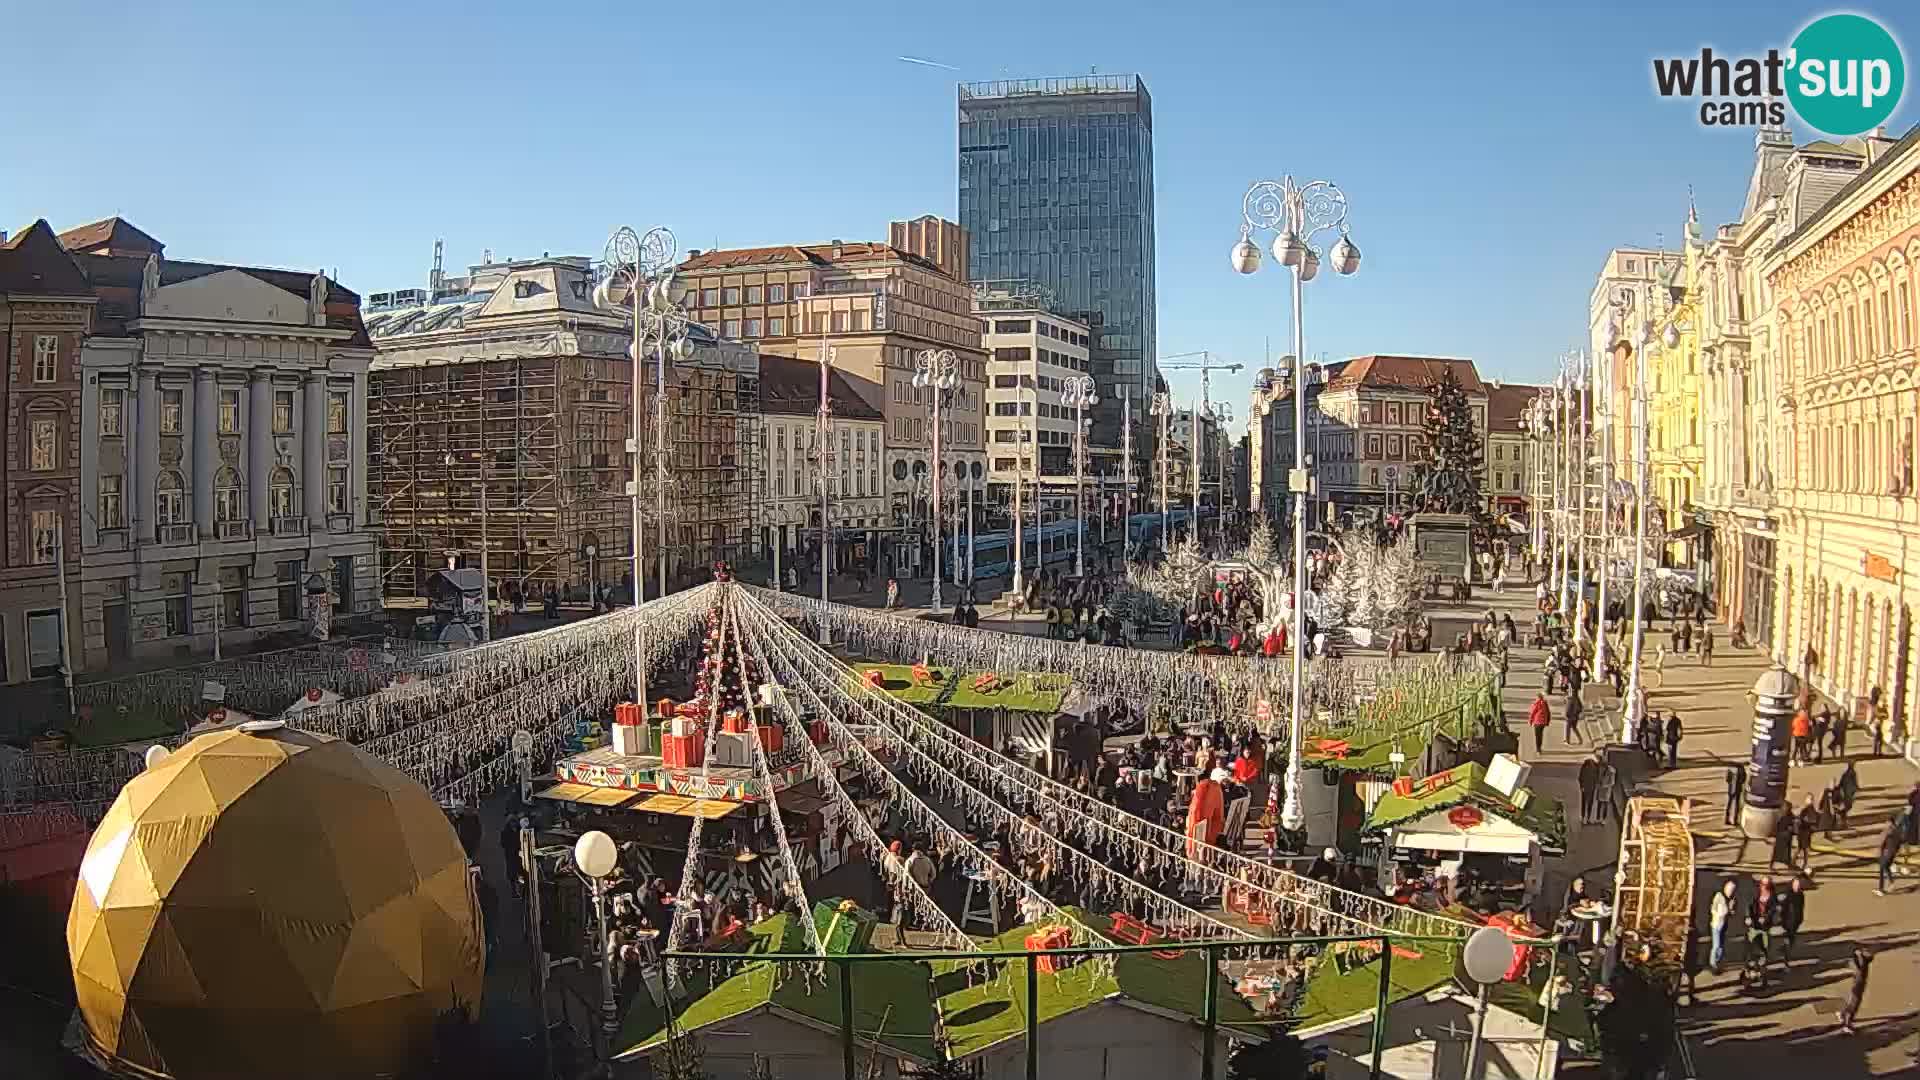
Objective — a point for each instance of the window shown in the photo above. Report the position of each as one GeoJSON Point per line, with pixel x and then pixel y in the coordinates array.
{"type": "Point", "coordinates": [233, 595]}
{"type": "Point", "coordinates": [43, 443]}
{"type": "Point", "coordinates": [730, 295]}
{"type": "Point", "coordinates": [1499, 452]}
{"type": "Point", "coordinates": [229, 412]}
{"type": "Point", "coordinates": [753, 328]}
{"type": "Point", "coordinates": [839, 322]}
{"type": "Point", "coordinates": [859, 321]}
{"type": "Point", "coordinates": [709, 297]}
{"type": "Point", "coordinates": [1905, 314]}
{"type": "Point", "coordinates": [113, 401]}
{"type": "Point", "coordinates": [730, 328]}
{"type": "Point", "coordinates": [753, 294]}
{"type": "Point", "coordinates": [45, 530]}
{"type": "Point", "coordinates": [178, 590]}
{"type": "Point", "coordinates": [228, 502]}
{"type": "Point", "coordinates": [1373, 446]}
{"type": "Point", "coordinates": [111, 511]}
{"type": "Point", "coordinates": [1393, 412]}
{"type": "Point", "coordinates": [776, 294]}
{"type": "Point", "coordinates": [1013, 326]}
{"type": "Point", "coordinates": [280, 492]}
{"type": "Point", "coordinates": [170, 499]}
{"type": "Point", "coordinates": [46, 358]}
{"type": "Point", "coordinates": [337, 412]}
{"type": "Point", "coordinates": [1373, 477]}
{"type": "Point", "coordinates": [287, 574]}
{"type": "Point", "coordinates": [800, 289]}
{"type": "Point", "coordinates": [336, 490]}
{"type": "Point", "coordinates": [170, 402]}
{"type": "Point", "coordinates": [1631, 264]}
{"type": "Point", "coordinates": [776, 327]}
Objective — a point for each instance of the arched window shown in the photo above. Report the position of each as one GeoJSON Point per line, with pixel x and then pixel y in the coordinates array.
{"type": "Point", "coordinates": [228, 505]}
{"type": "Point", "coordinates": [280, 485]}
{"type": "Point", "coordinates": [170, 499]}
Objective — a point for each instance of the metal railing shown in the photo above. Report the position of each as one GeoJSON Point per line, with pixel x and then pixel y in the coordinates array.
{"type": "Point", "coordinates": [1208, 1019]}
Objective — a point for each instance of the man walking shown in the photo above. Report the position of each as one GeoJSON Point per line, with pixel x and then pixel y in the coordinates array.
{"type": "Point", "coordinates": [1890, 842]}
{"type": "Point", "coordinates": [893, 593]}
{"type": "Point", "coordinates": [1539, 716]}
{"type": "Point", "coordinates": [1576, 709]}
{"type": "Point", "coordinates": [1793, 911]}
{"type": "Point", "coordinates": [1803, 825]}
{"type": "Point", "coordinates": [1589, 784]}
{"type": "Point", "coordinates": [1720, 912]}
{"type": "Point", "coordinates": [1736, 786]}
{"type": "Point", "coordinates": [1673, 740]}
{"type": "Point", "coordinates": [1706, 647]}
{"type": "Point", "coordinates": [1857, 989]}
{"type": "Point", "coordinates": [1760, 917]}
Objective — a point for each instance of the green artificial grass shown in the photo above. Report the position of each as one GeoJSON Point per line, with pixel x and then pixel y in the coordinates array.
{"type": "Point", "coordinates": [1467, 786]}
{"type": "Point", "coordinates": [1334, 995]}
{"type": "Point", "coordinates": [892, 999]}
{"type": "Point", "coordinates": [1022, 691]}
{"type": "Point", "coordinates": [111, 725]}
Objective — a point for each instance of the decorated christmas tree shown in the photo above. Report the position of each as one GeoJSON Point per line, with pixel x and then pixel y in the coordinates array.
{"type": "Point", "coordinates": [1448, 479]}
{"type": "Point", "coordinates": [1260, 546]}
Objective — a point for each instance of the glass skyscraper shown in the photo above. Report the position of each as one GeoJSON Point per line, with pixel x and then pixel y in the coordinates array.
{"type": "Point", "coordinates": [1056, 193]}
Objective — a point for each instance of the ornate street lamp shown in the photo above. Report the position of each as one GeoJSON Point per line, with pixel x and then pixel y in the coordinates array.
{"type": "Point", "coordinates": [938, 371]}
{"type": "Point", "coordinates": [1296, 214]}
{"type": "Point", "coordinates": [1079, 393]}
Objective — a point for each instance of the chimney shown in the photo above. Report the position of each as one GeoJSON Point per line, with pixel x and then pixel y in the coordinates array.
{"type": "Point", "coordinates": [3, 236]}
{"type": "Point", "coordinates": [836, 249]}
{"type": "Point", "coordinates": [692, 252]}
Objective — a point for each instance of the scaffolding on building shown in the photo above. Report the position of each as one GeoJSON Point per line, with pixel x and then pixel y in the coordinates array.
{"type": "Point", "coordinates": [525, 458]}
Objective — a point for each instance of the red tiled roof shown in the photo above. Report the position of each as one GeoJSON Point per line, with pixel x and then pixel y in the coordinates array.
{"type": "Point", "coordinates": [116, 235]}
{"type": "Point", "coordinates": [791, 387]}
{"type": "Point", "coordinates": [724, 258]}
{"type": "Point", "coordinates": [1405, 373]}
{"type": "Point", "coordinates": [33, 262]}
{"type": "Point", "coordinates": [1505, 404]}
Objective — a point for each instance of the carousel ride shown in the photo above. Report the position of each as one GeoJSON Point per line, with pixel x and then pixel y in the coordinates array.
{"type": "Point", "coordinates": [773, 713]}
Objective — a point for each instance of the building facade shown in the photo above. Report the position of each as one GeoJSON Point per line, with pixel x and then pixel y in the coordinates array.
{"type": "Point", "coordinates": [1512, 462]}
{"type": "Point", "coordinates": [46, 312]}
{"type": "Point", "coordinates": [1056, 194]}
{"type": "Point", "coordinates": [856, 451]}
{"type": "Point", "coordinates": [1842, 281]}
{"type": "Point", "coordinates": [872, 310]}
{"type": "Point", "coordinates": [222, 452]}
{"type": "Point", "coordinates": [501, 413]}
{"type": "Point", "coordinates": [1626, 282]}
{"type": "Point", "coordinates": [1032, 352]}
{"type": "Point", "coordinates": [1370, 437]}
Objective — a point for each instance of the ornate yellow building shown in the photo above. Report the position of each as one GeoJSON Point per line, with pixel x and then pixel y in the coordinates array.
{"type": "Point", "coordinates": [1843, 283]}
{"type": "Point", "coordinates": [1676, 453]}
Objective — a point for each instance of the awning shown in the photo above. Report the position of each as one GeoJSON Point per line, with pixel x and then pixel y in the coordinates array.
{"type": "Point", "coordinates": [588, 795]}
{"type": "Point", "coordinates": [1454, 840]}
{"type": "Point", "coordinates": [1691, 531]}
{"type": "Point", "coordinates": [686, 806]}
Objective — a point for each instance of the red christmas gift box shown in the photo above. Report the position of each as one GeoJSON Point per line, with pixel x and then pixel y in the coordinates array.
{"type": "Point", "coordinates": [1050, 937]}
{"type": "Point", "coordinates": [626, 713]}
{"type": "Point", "coordinates": [1403, 786]}
{"type": "Point", "coordinates": [734, 722]}
{"type": "Point", "coordinates": [817, 732]}
{"type": "Point", "coordinates": [772, 738]}
{"type": "Point", "coordinates": [683, 751]}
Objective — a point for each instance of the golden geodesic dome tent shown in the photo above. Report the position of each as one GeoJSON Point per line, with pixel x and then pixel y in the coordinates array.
{"type": "Point", "coordinates": [272, 902]}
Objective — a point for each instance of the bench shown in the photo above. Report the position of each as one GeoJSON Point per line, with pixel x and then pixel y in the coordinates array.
{"type": "Point", "coordinates": [1132, 931]}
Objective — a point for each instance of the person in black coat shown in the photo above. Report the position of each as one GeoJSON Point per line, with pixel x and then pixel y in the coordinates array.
{"type": "Point", "coordinates": [1782, 840]}
{"type": "Point", "coordinates": [1790, 910]}
{"type": "Point", "coordinates": [1736, 787]}
{"type": "Point", "coordinates": [1673, 740]}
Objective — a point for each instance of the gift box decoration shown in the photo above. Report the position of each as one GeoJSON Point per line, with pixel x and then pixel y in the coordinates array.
{"type": "Point", "coordinates": [632, 738]}
{"type": "Point", "coordinates": [817, 732]}
{"type": "Point", "coordinates": [664, 708]}
{"type": "Point", "coordinates": [685, 725]}
{"type": "Point", "coordinates": [683, 751]}
{"type": "Point", "coordinates": [1403, 786]}
{"type": "Point", "coordinates": [734, 750]}
{"type": "Point", "coordinates": [844, 927]}
{"type": "Point", "coordinates": [773, 738]}
{"type": "Point", "coordinates": [626, 714]}
{"type": "Point", "coordinates": [1051, 937]}
{"type": "Point", "coordinates": [734, 722]}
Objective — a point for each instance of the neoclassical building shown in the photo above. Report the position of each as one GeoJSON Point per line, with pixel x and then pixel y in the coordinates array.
{"type": "Point", "coordinates": [1841, 283]}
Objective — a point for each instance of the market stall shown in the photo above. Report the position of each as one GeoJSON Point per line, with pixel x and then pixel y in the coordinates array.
{"type": "Point", "coordinates": [1465, 836]}
{"type": "Point", "coordinates": [1011, 712]}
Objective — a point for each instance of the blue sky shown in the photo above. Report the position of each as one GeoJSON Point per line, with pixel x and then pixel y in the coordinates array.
{"type": "Point", "coordinates": [1491, 153]}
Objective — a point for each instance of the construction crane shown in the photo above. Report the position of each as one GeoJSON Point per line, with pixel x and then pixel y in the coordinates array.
{"type": "Point", "coordinates": [1204, 362]}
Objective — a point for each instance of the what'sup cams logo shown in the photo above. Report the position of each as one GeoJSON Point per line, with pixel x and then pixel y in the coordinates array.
{"type": "Point", "coordinates": [1843, 75]}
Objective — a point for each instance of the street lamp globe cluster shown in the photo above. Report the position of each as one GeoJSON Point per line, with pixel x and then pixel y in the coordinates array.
{"type": "Point", "coordinates": [937, 370]}
{"type": "Point", "coordinates": [1296, 214]}
{"type": "Point", "coordinates": [1079, 392]}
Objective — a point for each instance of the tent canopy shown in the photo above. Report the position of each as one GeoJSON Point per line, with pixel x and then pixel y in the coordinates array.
{"type": "Point", "coordinates": [1466, 785]}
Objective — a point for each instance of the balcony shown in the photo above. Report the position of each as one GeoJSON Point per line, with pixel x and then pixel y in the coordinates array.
{"type": "Point", "coordinates": [289, 526]}
{"type": "Point", "coordinates": [173, 533]}
{"type": "Point", "coordinates": [233, 529]}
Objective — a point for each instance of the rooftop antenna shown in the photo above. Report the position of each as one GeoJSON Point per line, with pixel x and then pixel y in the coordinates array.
{"type": "Point", "coordinates": [438, 276]}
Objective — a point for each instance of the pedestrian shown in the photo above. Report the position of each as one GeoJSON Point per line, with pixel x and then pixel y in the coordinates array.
{"type": "Point", "coordinates": [1706, 647]}
{"type": "Point", "coordinates": [893, 593]}
{"type": "Point", "coordinates": [1736, 785]}
{"type": "Point", "coordinates": [1890, 842]}
{"type": "Point", "coordinates": [1539, 716]}
{"type": "Point", "coordinates": [1861, 960]}
{"type": "Point", "coordinates": [1673, 740]}
{"type": "Point", "coordinates": [1804, 824]}
{"type": "Point", "coordinates": [1876, 719]}
{"type": "Point", "coordinates": [1760, 917]}
{"type": "Point", "coordinates": [1589, 785]}
{"type": "Point", "coordinates": [1782, 842]}
{"type": "Point", "coordinates": [1837, 733]}
{"type": "Point", "coordinates": [1817, 741]}
{"type": "Point", "coordinates": [1802, 730]}
{"type": "Point", "coordinates": [1844, 790]}
{"type": "Point", "coordinates": [1792, 906]}
{"type": "Point", "coordinates": [1575, 710]}
{"type": "Point", "coordinates": [1603, 799]}
{"type": "Point", "coordinates": [1718, 913]}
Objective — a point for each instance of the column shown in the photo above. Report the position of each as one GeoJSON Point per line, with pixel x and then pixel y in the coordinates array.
{"type": "Point", "coordinates": [357, 426]}
{"type": "Point", "coordinates": [206, 450]}
{"type": "Point", "coordinates": [260, 450]}
{"type": "Point", "coordinates": [313, 442]}
{"type": "Point", "coordinates": [144, 485]}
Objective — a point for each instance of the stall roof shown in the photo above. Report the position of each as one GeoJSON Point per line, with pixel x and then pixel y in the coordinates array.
{"type": "Point", "coordinates": [1019, 691]}
{"type": "Point", "coordinates": [588, 795]}
{"type": "Point", "coordinates": [687, 806]}
{"type": "Point", "coordinates": [1466, 785]}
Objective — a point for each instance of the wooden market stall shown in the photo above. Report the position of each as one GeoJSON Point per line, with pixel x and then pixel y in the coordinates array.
{"type": "Point", "coordinates": [1454, 821]}
{"type": "Point", "coordinates": [1011, 713]}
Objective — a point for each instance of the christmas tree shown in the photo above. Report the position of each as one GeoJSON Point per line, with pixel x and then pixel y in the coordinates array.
{"type": "Point", "coordinates": [1260, 546]}
{"type": "Point", "coordinates": [1448, 479]}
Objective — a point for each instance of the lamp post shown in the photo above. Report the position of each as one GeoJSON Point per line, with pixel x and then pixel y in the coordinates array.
{"type": "Point", "coordinates": [1079, 393]}
{"type": "Point", "coordinates": [973, 471]}
{"type": "Point", "coordinates": [1631, 716]}
{"type": "Point", "coordinates": [1126, 466]}
{"type": "Point", "coordinates": [1601, 382]}
{"type": "Point", "coordinates": [635, 276]}
{"type": "Point", "coordinates": [595, 855]}
{"type": "Point", "coordinates": [1296, 214]}
{"type": "Point", "coordinates": [938, 371]}
{"type": "Point", "coordinates": [1162, 407]}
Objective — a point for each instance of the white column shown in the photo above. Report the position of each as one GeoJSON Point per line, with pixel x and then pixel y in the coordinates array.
{"type": "Point", "coordinates": [313, 440]}
{"type": "Point", "coordinates": [89, 443]}
{"type": "Point", "coordinates": [259, 449]}
{"type": "Point", "coordinates": [146, 464]}
{"type": "Point", "coordinates": [206, 450]}
{"type": "Point", "coordinates": [357, 432]}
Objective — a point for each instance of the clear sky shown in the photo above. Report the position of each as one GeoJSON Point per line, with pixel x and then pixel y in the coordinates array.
{"type": "Point", "coordinates": [1491, 153]}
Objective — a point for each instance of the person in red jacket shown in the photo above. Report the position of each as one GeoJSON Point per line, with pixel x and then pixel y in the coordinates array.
{"type": "Point", "coordinates": [1271, 646]}
{"type": "Point", "coordinates": [1206, 813]}
{"type": "Point", "coordinates": [1539, 717]}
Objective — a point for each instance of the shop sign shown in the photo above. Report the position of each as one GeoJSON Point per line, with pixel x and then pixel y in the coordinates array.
{"type": "Point", "coordinates": [1465, 817]}
{"type": "Point", "coordinates": [1878, 567]}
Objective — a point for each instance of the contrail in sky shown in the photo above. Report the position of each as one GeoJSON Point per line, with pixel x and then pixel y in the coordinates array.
{"type": "Point", "coordinates": [925, 63]}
